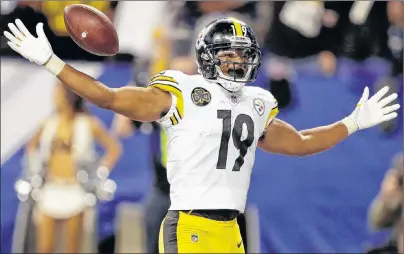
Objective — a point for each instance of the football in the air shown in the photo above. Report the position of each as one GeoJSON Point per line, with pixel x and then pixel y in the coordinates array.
{"type": "Point", "coordinates": [91, 29]}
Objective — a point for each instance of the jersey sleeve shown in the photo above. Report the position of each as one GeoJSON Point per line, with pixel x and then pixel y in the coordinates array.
{"type": "Point", "coordinates": [169, 81]}
{"type": "Point", "coordinates": [271, 109]}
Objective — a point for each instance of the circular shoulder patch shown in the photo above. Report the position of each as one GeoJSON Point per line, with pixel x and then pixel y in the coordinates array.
{"type": "Point", "coordinates": [200, 96]}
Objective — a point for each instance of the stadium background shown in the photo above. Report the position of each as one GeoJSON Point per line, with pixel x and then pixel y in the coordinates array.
{"type": "Point", "coordinates": [313, 204]}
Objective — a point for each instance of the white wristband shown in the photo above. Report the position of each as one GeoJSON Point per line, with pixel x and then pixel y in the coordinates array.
{"type": "Point", "coordinates": [350, 125]}
{"type": "Point", "coordinates": [54, 65]}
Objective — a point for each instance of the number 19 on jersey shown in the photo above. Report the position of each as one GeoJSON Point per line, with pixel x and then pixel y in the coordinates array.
{"type": "Point", "coordinates": [236, 133]}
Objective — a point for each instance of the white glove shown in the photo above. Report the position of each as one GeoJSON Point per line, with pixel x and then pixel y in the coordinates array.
{"type": "Point", "coordinates": [37, 50]}
{"type": "Point", "coordinates": [373, 111]}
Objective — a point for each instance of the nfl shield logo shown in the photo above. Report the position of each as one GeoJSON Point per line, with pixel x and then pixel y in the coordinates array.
{"type": "Point", "coordinates": [194, 238]}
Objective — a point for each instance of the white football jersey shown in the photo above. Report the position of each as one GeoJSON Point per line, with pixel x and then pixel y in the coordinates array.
{"type": "Point", "coordinates": [212, 136]}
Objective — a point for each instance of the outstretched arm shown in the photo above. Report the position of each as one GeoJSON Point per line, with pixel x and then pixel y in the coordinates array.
{"type": "Point", "coordinates": [280, 137]}
{"type": "Point", "coordinates": [143, 104]}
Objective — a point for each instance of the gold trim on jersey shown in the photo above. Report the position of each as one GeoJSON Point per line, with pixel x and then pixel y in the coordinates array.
{"type": "Point", "coordinates": [165, 86]}
{"type": "Point", "coordinates": [272, 114]}
{"type": "Point", "coordinates": [174, 119]}
{"type": "Point", "coordinates": [237, 26]}
{"type": "Point", "coordinates": [160, 77]}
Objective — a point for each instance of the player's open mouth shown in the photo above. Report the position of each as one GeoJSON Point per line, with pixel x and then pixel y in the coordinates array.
{"type": "Point", "coordinates": [236, 73]}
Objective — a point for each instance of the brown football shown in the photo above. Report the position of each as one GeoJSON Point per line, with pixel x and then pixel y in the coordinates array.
{"type": "Point", "coordinates": [91, 29]}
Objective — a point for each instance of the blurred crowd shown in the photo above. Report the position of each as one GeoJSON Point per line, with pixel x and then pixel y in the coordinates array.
{"type": "Point", "coordinates": [386, 209]}
{"type": "Point", "coordinates": [158, 35]}
{"type": "Point", "coordinates": [163, 33]}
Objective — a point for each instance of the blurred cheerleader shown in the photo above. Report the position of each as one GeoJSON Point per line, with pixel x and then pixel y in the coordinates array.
{"type": "Point", "coordinates": [65, 143]}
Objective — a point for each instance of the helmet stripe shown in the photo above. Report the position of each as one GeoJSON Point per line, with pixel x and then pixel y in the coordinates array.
{"type": "Point", "coordinates": [237, 27]}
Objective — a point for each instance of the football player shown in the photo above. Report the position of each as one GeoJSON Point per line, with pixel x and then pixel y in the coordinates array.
{"type": "Point", "coordinates": [213, 123]}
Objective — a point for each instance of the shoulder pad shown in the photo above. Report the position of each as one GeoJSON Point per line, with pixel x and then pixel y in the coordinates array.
{"type": "Point", "coordinates": [265, 95]}
{"type": "Point", "coordinates": [270, 105]}
{"type": "Point", "coordinates": [170, 81]}
{"type": "Point", "coordinates": [168, 77]}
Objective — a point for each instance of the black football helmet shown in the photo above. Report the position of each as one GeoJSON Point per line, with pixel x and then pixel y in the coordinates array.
{"type": "Point", "coordinates": [218, 38]}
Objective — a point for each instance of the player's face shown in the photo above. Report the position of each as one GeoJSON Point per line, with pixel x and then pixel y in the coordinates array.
{"type": "Point", "coordinates": [233, 62]}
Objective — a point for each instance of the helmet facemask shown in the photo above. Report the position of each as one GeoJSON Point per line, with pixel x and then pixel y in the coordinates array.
{"type": "Point", "coordinates": [235, 62]}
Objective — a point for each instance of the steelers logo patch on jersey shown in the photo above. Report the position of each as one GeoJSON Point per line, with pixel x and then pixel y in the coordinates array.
{"type": "Point", "coordinates": [259, 106]}
{"type": "Point", "coordinates": [200, 96]}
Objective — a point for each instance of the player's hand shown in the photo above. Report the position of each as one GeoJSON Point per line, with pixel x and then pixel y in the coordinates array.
{"type": "Point", "coordinates": [373, 111]}
{"type": "Point", "coordinates": [35, 49]}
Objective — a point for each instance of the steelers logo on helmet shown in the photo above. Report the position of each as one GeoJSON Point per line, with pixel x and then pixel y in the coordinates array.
{"type": "Point", "coordinates": [228, 53]}
{"type": "Point", "coordinates": [199, 40]}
